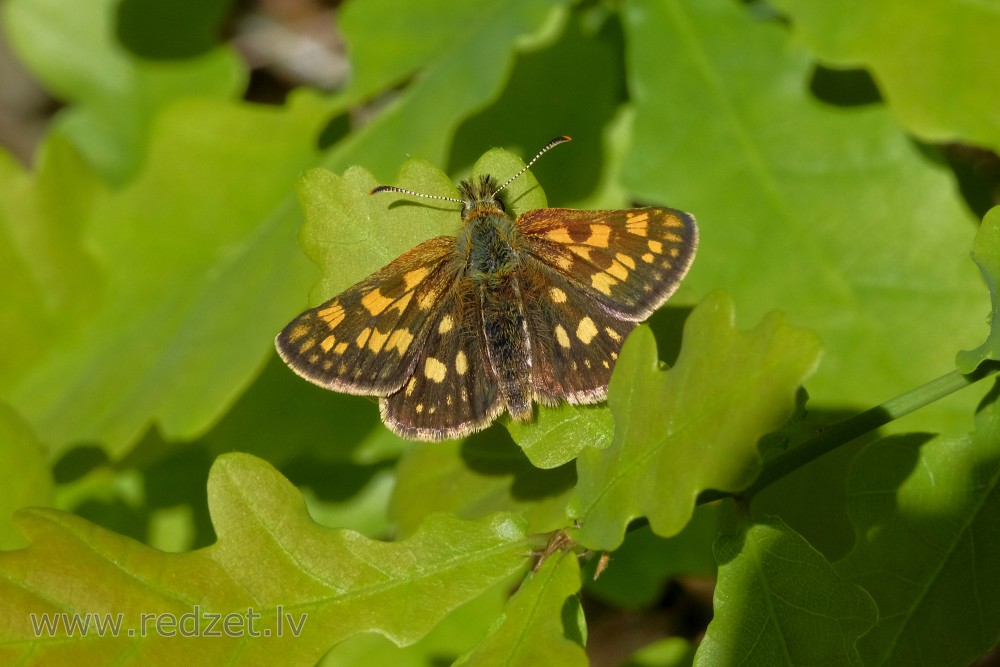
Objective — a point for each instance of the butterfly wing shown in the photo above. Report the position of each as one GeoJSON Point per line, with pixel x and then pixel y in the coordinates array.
{"type": "Point", "coordinates": [366, 340]}
{"type": "Point", "coordinates": [596, 274]}
{"type": "Point", "coordinates": [452, 391]}
{"type": "Point", "coordinates": [630, 261]}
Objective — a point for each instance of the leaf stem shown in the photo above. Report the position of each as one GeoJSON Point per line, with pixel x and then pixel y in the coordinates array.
{"type": "Point", "coordinates": [854, 427]}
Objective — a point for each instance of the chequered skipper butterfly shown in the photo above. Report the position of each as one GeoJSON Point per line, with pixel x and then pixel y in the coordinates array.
{"type": "Point", "coordinates": [460, 329]}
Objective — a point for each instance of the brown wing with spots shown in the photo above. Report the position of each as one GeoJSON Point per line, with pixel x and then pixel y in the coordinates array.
{"type": "Point", "coordinates": [366, 339]}
{"type": "Point", "coordinates": [630, 261]}
{"type": "Point", "coordinates": [452, 391]}
{"type": "Point", "coordinates": [574, 341]}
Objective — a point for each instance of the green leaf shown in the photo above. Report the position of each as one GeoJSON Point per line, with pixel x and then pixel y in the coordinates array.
{"type": "Point", "coordinates": [531, 630]}
{"type": "Point", "coordinates": [779, 602]}
{"type": "Point", "coordinates": [49, 284]}
{"type": "Point", "coordinates": [986, 254]}
{"type": "Point", "coordinates": [449, 639]}
{"type": "Point", "coordinates": [115, 96]}
{"type": "Point", "coordinates": [478, 476]}
{"type": "Point", "coordinates": [951, 98]}
{"type": "Point", "coordinates": [459, 63]}
{"type": "Point", "coordinates": [927, 549]}
{"type": "Point", "coordinates": [558, 435]}
{"type": "Point", "coordinates": [690, 428]}
{"type": "Point", "coordinates": [271, 559]}
{"type": "Point", "coordinates": [31, 483]}
{"type": "Point", "coordinates": [193, 292]}
{"type": "Point", "coordinates": [830, 214]}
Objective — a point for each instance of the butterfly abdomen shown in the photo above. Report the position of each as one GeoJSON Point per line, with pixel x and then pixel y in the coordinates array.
{"type": "Point", "coordinates": [490, 241]}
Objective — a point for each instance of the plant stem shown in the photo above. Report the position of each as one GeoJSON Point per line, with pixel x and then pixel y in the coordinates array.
{"type": "Point", "coordinates": [847, 430]}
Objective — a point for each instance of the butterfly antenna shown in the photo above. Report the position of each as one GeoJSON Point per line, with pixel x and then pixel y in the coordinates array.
{"type": "Point", "coordinates": [393, 188]}
{"type": "Point", "coordinates": [549, 146]}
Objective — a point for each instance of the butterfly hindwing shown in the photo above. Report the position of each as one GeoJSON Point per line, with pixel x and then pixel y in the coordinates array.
{"type": "Point", "coordinates": [452, 391]}
{"type": "Point", "coordinates": [630, 261]}
{"type": "Point", "coordinates": [575, 341]}
{"type": "Point", "coordinates": [367, 339]}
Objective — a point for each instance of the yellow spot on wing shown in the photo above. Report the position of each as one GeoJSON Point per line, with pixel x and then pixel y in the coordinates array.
{"type": "Point", "coordinates": [581, 250]}
{"type": "Point", "coordinates": [586, 331]}
{"type": "Point", "coordinates": [602, 282]}
{"type": "Point", "coordinates": [557, 295]}
{"type": "Point", "coordinates": [626, 260]}
{"type": "Point", "coordinates": [559, 235]}
{"type": "Point", "coordinates": [415, 276]}
{"type": "Point", "coordinates": [377, 340]}
{"type": "Point", "coordinates": [340, 349]}
{"type": "Point", "coordinates": [306, 346]}
{"type": "Point", "coordinates": [332, 314]}
{"type": "Point", "coordinates": [363, 337]}
{"type": "Point", "coordinates": [648, 258]}
{"type": "Point", "coordinates": [328, 343]}
{"type": "Point", "coordinates": [446, 324]}
{"type": "Point", "coordinates": [374, 302]}
{"type": "Point", "coordinates": [562, 336]}
{"type": "Point", "coordinates": [297, 332]}
{"type": "Point", "coordinates": [599, 235]}
{"type": "Point", "coordinates": [618, 270]}
{"type": "Point", "coordinates": [400, 339]}
{"type": "Point", "coordinates": [637, 224]}
{"type": "Point", "coordinates": [655, 246]}
{"type": "Point", "coordinates": [435, 370]}
{"type": "Point", "coordinates": [615, 336]}
{"type": "Point", "coordinates": [461, 363]}
{"type": "Point", "coordinates": [402, 302]}
{"type": "Point", "coordinates": [410, 386]}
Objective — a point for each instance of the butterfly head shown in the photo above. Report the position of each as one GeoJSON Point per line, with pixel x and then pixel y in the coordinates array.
{"type": "Point", "coordinates": [479, 196]}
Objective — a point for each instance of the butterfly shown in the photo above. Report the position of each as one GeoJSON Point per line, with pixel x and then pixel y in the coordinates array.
{"type": "Point", "coordinates": [460, 329]}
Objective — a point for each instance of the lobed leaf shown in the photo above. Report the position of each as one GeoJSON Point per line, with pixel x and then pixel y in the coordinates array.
{"type": "Point", "coordinates": [953, 98]}
{"type": "Point", "coordinates": [530, 631]}
{"type": "Point", "coordinates": [690, 428]}
{"type": "Point", "coordinates": [270, 559]}
{"type": "Point", "coordinates": [924, 510]}
{"type": "Point", "coordinates": [830, 214]}
{"type": "Point", "coordinates": [779, 602]}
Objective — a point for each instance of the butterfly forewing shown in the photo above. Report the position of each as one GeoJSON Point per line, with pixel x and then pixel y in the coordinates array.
{"type": "Point", "coordinates": [367, 339]}
{"type": "Point", "coordinates": [629, 261]}
{"type": "Point", "coordinates": [452, 391]}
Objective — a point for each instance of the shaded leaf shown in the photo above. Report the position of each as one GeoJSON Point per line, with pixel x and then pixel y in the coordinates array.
{"type": "Point", "coordinates": [690, 428]}
{"type": "Point", "coordinates": [271, 559]}
{"type": "Point", "coordinates": [638, 571]}
{"type": "Point", "coordinates": [941, 99]}
{"type": "Point", "coordinates": [986, 254]}
{"type": "Point", "coordinates": [779, 602]}
{"type": "Point", "coordinates": [927, 550]}
{"type": "Point", "coordinates": [458, 64]}
{"type": "Point", "coordinates": [831, 215]}
{"type": "Point", "coordinates": [115, 95]}
{"type": "Point", "coordinates": [531, 631]}
{"type": "Point", "coordinates": [478, 476]}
